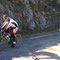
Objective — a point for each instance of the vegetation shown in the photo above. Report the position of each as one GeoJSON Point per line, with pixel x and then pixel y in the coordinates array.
{"type": "Point", "coordinates": [33, 15]}
{"type": "Point", "coordinates": [58, 1]}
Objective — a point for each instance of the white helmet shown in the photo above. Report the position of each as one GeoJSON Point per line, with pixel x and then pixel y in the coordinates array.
{"type": "Point", "coordinates": [4, 16]}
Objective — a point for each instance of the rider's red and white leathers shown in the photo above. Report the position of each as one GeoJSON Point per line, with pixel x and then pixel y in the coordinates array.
{"type": "Point", "coordinates": [10, 23]}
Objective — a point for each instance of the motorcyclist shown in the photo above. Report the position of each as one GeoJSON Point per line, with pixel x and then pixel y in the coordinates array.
{"type": "Point", "coordinates": [10, 25]}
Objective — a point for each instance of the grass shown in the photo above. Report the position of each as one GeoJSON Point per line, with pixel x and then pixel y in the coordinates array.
{"type": "Point", "coordinates": [58, 1]}
{"type": "Point", "coordinates": [30, 31]}
{"type": "Point", "coordinates": [35, 31]}
{"type": "Point", "coordinates": [51, 28]}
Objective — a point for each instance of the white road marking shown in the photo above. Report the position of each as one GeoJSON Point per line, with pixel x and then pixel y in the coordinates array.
{"type": "Point", "coordinates": [44, 36]}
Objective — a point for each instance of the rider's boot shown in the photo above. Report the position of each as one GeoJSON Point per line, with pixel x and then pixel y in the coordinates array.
{"type": "Point", "coordinates": [13, 44]}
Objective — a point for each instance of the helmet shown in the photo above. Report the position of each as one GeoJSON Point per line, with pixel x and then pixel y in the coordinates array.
{"type": "Point", "coordinates": [4, 17]}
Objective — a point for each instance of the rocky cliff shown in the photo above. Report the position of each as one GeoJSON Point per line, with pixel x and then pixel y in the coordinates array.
{"type": "Point", "coordinates": [30, 14]}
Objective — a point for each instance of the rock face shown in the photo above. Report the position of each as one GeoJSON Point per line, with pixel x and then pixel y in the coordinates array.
{"type": "Point", "coordinates": [30, 14]}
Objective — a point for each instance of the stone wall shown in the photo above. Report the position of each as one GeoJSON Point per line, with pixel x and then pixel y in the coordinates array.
{"type": "Point", "coordinates": [30, 14]}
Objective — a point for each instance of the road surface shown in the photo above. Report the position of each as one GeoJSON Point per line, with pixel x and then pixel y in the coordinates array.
{"type": "Point", "coordinates": [35, 47]}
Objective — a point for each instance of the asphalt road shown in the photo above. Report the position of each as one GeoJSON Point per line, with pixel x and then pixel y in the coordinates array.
{"type": "Point", "coordinates": [35, 47]}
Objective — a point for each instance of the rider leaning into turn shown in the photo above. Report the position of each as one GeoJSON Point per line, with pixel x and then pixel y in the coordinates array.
{"type": "Point", "coordinates": [10, 25]}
